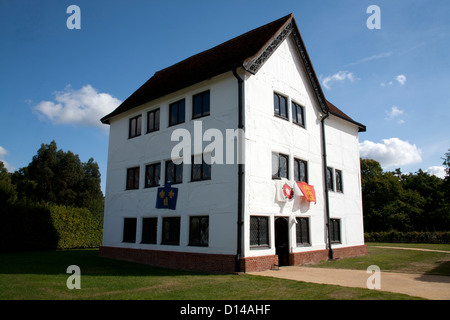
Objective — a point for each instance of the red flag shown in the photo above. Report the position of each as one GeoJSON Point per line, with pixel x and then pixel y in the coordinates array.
{"type": "Point", "coordinates": [308, 191]}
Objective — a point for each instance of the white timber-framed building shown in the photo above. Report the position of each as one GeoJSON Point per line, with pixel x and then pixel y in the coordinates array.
{"type": "Point", "coordinates": [227, 216]}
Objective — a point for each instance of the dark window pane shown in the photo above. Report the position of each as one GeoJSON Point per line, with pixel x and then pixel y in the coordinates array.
{"type": "Point", "coordinates": [181, 111]}
{"type": "Point", "coordinates": [283, 167]}
{"type": "Point", "coordinates": [151, 122]}
{"type": "Point", "coordinates": [157, 174]}
{"type": "Point", "coordinates": [149, 230]}
{"type": "Point", "coordinates": [197, 108]}
{"type": "Point", "coordinates": [152, 175]}
{"type": "Point", "coordinates": [156, 125]}
{"type": "Point", "coordinates": [302, 231]}
{"type": "Point", "coordinates": [199, 231]}
{"type": "Point", "coordinates": [173, 114]}
{"type": "Point", "coordinates": [330, 179]}
{"type": "Point", "coordinates": [138, 125]}
{"type": "Point", "coordinates": [294, 113]}
{"type": "Point", "coordinates": [170, 172]}
{"type": "Point", "coordinates": [275, 166]}
{"type": "Point", "coordinates": [171, 231]}
{"type": "Point", "coordinates": [129, 230]}
{"type": "Point", "coordinates": [132, 128]}
{"type": "Point", "coordinates": [206, 103]}
{"type": "Point", "coordinates": [196, 172]}
{"type": "Point", "coordinates": [259, 232]}
{"type": "Point", "coordinates": [338, 180]}
{"type": "Point", "coordinates": [206, 171]}
{"type": "Point", "coordinates": [300, 116]}
{"type": "Point", "coordinates": [179, 173]}
{"type": "Point", "coordinates": [283, 107]}
{"type": "Point", "coordinates": [276, 104]}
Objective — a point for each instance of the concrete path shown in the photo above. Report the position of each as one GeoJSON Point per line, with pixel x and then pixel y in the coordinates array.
{"type": "Point", "coordinates": [418, 285]}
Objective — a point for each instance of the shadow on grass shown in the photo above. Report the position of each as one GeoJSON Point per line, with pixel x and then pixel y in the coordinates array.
{"type": "Point", "coordinates": [440, 273]}
{"type": "Point", "coordinates": [90, 263]}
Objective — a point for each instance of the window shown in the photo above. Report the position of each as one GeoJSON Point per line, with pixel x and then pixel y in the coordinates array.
{"type": "Point", "coordinates": [300, 170]}
{"type": "Point", "coordinates": [338, 177]}
{"type": "Point", "coordinates": [200, 105]}
{"type": "Point", "coordinates": [280, 106]}
{"type": "Point", "coordinates": [171, 231]}
{"type": "Point", "coordinates": [174, 172]}
{"type": "Point", "coordinates": [129, 230]}
{"type": "Point", "coordinates": [152, 175]}
{"type": "Point", "coordinates": [200, 169]}
{"type": "Point", "coordinates": [297, 114]}
{"type": "Point", "coordinates": [133, 178]}
{"type": "Point", "coordinates": [280, 165]}
{"type": "Point", "coordinates": [149, 229]}
{"type": "Point", "coordinates": [302, 231]}
{"type": "Point", "coordinates": [335, 230]}
{"type": "Point", "coordinates": [199, 231]}
{"type": "Point", "coordinates": [153, 121]}
{"type": "Point", "coordinates": [330, 182]}
{"type": "Point", "coordinates": [259, 232]}
{"type": "Point", "coordinates": [135, 127]}
{"type": "Point", "coordinates": [176, 112]}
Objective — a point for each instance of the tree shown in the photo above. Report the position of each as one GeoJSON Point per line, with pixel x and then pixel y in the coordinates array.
{"type": "Point", "coordinates": [8, 192]}
{"type": "Point", "coordinates": [60, 177]}
{"type": "Point", "coordinates": [403, 202]}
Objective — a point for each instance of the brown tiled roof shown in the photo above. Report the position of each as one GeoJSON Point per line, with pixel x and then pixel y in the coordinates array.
{"type": "Point", "coordinates": [225, 57]}
{"type": "Point", "coordinates": [338, 113]}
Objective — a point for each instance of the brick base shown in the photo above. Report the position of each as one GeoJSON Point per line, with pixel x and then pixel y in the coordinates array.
{"type": "Point", "coordinates": [216, 263]}
{"type": "Point", "coordinates": [221, 263]}
{"type": "Point", "coordinates": [316, 256]}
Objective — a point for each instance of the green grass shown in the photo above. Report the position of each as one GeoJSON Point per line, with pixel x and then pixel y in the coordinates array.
{"type": "Point", "coordinates": [395, 260]}
{"type": "Point", "coordinates": [42, 275]}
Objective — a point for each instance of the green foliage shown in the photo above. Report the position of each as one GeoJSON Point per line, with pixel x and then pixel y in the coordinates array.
{"type": "Point", "coordinates": [60, 177]}
{"type": "Point", "coordinates": [403, 202]}
{"type": "Point", "coordinates": [53, 203]}
{"type": "Point", "coordinates": [30, 226]}
{"type": "Point", "coordinates": [8, 192]}
{"type": "Point", "coordinates": [408, 237]}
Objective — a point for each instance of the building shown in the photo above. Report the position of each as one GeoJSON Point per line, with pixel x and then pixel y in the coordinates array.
{"type": "Point", "coordinates": [227, 216]}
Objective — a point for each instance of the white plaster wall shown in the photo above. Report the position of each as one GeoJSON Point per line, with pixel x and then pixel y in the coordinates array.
{"type": "Point", "coordinates": [283, 73]}
{"type": "Point", "coordinates": [216, 198]}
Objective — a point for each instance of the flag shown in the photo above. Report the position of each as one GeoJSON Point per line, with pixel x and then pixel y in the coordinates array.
{"type": "Point", "coordinates": [284, 191]}
{"type": "Point", "coordinates": [166, 198]}
{"type": "Point", "coordinates": [308, 191]}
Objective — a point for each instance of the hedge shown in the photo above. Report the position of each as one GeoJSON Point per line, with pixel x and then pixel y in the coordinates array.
{"type": "Point", "coordinates": [408, 237]}
{"type": "Point", "coordinates": [30, 226]}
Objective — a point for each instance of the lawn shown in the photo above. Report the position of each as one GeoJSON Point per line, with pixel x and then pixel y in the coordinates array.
{"type": "Point", "coordinates": [396, 260]}
{"type": "Point", "coordinates": [42, 276]}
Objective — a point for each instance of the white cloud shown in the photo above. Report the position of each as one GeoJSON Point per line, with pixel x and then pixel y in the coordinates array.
{"type": "Point", "coordinates": [392, 152]}
{"type": "Point", "coordinates": [374, 57]}
{"type": "Point", "coordinates": [437, 171]}
{"type": "Point", "coordinates": [339, 76]}
{"type": "Point", "coordinates": [394, 113]}
{"type": "Point", "coordinates": [401, 78]}
{"type": "Point", "coordinates": [84, 106]}
{"type": "Point", "coordinates": [3, 153]}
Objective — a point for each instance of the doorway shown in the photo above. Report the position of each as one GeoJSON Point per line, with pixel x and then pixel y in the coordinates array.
{"type": "Point", "coordinates": [282, 240]}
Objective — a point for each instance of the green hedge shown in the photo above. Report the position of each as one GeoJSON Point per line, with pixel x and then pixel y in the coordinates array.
{"type": "Point", "coordinates": [408, 237]}
{"type": "Point", "coordinates": [30, 226]}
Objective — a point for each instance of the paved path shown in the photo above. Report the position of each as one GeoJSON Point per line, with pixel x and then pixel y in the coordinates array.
{"type": "Point", "coordinates": [418, 285]}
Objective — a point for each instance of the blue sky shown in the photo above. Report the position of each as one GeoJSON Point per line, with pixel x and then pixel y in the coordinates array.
{"type": "Point", "coordinates": [56, 83]}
